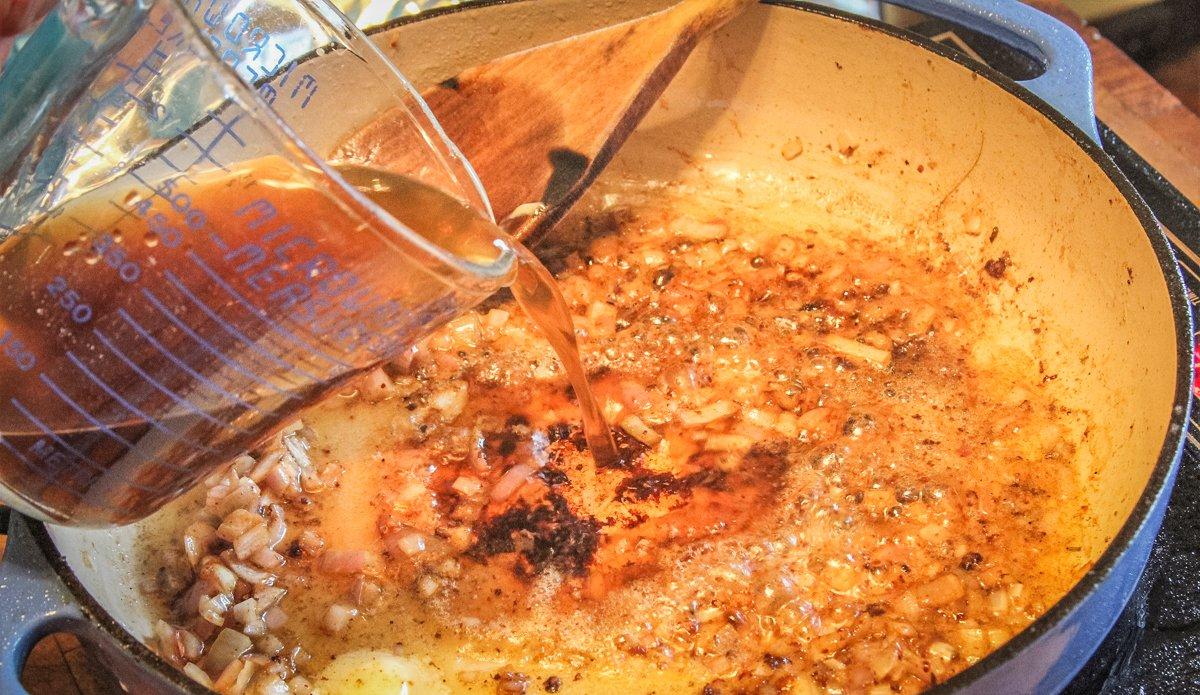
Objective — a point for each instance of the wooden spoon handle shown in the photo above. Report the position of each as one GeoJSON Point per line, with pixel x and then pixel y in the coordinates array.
{"type": "Point", "coordinates": [683, 25]}
{"type": "Point", "coordinates": [696, 18]}
{"type": "Point", "coordinates": [540, 125]}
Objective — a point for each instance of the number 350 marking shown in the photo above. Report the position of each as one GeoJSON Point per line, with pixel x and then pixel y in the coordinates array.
{"type": "Point", "coordinates": [69, 299]}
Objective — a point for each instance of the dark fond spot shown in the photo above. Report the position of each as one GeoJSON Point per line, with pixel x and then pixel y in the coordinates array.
{"type": "Point", "coordinates": [552, 537]}
{"type": "Point", "coordinates": [558, 431]}
{"type": "Point", "coordinates": [553, 476]}
{"type": "Point", "coordinates": [653, 486]}
{"type": "Point", "coordinates": [998, 266]}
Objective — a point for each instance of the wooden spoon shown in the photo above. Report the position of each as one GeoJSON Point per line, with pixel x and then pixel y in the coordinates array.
{"type": "Point", "coordinates": [540, 125]}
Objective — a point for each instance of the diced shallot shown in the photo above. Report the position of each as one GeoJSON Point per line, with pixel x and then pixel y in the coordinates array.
{"type": "Point", "coordinates": [197, 674]}
{"type": "Point", "coordinates": [375, 385]}
{"type": "Point", "coordinates": [237, 523]}
{"type": "Point", "coordinates": [272, 686]}
{"type": "Point", "coordinates": [698, 231]}
{"type": "Point", "coordinates": [365, 593]}
{"type": "Point", "coordinates": [197, 539]}
{"type": "Point", "coordinates": [343, 561]}
{"type": "Point", "coordinates": [311, 542]}
{"type": "Point", "coordinates": [410, 543]}
{"type": "Point", "coordinates": [188, 645]}
{"type": "Point", "coordinates": [244, 495]}
{"type": "Point", "coordinates": [165, 633]}
{"type": "Point", "coordinates": [264, 466]}
{"type": "Point", "coordinates": [467, 486]}
{"type": "Point", "coordinates": [243, 678]}
{"type": "Point", "coordinates": [277, 528]}
{"type": "Point", "coordinates": [709, 413]}
{"type": "Point", "coordinates": [858, 351]}
{"type": "Point", "coordinates": [244, 611]}
{"type": "Point", "coordinates": [337, 617]}
{"type": "Point", "coordinates": [269, 645]}
{"type": "Point", "coordinates": [212, 608]}
{"type": "Point", "coordinates": [229, 646]}
{"type": "Point", "coordinates": [283, 478]}
{"type": "Point", "coordinates": [269, 595]}
{"type": "Point", "coordinates": [297, 446]}
{"type": "Point", "coordinates": [251, 542]}
{"type": "Point", "coordinates": [267, 559]}
{"type": "Point", "coordinates": [639, 430]}
{"type": "Point", "coordinates": [246, 572]}
{"type": "Point", "coordinates": [275, 618]}
{"type": "Point", "coordinates": [511, 481]}
{"type": "Point", "coordinates": [227, 676]}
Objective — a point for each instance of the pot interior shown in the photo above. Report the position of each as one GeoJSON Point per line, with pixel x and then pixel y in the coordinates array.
{"type": "Point", "coordinates": [899, 142]}
{"type": "Point", "coordinates": [887, 140]}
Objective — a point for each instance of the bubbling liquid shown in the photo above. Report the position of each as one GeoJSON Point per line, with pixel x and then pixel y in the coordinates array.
{"type": "Point", "coordinates": [819, 486]}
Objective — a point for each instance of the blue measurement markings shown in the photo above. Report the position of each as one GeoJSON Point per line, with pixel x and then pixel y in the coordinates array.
{"type": "Point", "coordinates": [233, 330]}
{"type": "Point", "coordinates": [178, 399]}
{"type": "Point", "coordinates": [46, 475]}
{"type": "Point", "coordinates": [237, 297]}
{"type": "Point", "coordinates": [91, 419]}
{"type": "Point", "coordinates": [133, 409]}
{"type": "Point", "coordinates": [48, 454]}
{"type": "Point", "coordinates": [209, 347]}
{"type": "Point", "coordinates": [183, 366]}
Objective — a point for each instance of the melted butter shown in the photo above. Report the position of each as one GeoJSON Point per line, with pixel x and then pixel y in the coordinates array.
{"type": "Point", "coordinates": [807, 513]}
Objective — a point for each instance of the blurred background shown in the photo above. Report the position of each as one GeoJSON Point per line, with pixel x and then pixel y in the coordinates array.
{"type": "Point", "coordinates": [1163, 36]}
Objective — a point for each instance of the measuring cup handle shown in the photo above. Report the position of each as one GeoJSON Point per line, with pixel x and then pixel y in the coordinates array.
{"type": "Point", "coordinates": [58, 61]}
{"type": "Point", "coordinates": [34, 603]}
{"type": "Point", "coordinates": [1066, 85]}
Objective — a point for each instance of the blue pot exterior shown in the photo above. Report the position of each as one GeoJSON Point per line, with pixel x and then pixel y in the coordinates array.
{"type": "Point", "coordinates": [1041, 659]}
{"type": "Point", "coordinates": [1057, 654]}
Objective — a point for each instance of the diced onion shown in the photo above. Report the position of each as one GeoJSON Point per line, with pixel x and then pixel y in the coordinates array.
{"type": "Point", "coordinates": [337, 617]}
{"type": "Point", "coordinates": [197, 674]}
{"type": "Point", "coordinates": [511, 481]}
{"type": "Point", "coordinates": [275, 618]}
{"type": "Point", "coordinates": [639, 430]}
{"type": "Point", "coordinates": [858, 351]}
{"type": "Point", "coordinates": [343, 561]}
{"type": "Point", "coordinates": [229, 646]}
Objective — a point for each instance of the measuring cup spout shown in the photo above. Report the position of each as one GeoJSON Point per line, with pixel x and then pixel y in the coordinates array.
{"type": "Point", "coordinates": [53, 68]}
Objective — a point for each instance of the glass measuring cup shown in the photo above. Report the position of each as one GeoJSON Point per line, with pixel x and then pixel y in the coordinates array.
{"type": "Point", "coordinates": [181, 270]}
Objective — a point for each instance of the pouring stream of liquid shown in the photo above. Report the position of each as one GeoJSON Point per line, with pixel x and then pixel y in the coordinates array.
{"type": "Point", "coordinates": [538, 295]}
{"type": "Point", "coordinates": [459, 229]}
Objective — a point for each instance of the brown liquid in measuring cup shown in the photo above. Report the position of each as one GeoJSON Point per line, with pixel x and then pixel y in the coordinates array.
{"type": "Point", "coordinates": [147, 339]}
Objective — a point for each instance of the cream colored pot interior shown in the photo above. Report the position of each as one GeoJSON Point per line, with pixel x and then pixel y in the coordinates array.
{"type": "Point", "coordinates": [895, 141]}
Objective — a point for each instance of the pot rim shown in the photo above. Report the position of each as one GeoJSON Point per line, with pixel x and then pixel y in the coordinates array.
{"type": "Point", "coordinates": [1158, 486]}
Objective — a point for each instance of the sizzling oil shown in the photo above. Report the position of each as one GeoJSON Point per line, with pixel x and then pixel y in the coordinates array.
{"type": "Point", "coordinates": [821, 485]}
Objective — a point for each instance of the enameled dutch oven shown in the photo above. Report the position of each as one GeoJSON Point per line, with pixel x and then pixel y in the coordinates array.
{"type": "Point", "coordinates": [954, 147]}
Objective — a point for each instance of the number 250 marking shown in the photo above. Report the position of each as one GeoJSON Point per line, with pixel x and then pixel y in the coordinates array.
{"type": "Point", "coordinates": [69, 299]}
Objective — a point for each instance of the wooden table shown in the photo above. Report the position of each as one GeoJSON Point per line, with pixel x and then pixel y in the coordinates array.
{"type": "Point", "coordinates": [1144, 114]}
{"type": "Point", "coordinates": [1128, 100]}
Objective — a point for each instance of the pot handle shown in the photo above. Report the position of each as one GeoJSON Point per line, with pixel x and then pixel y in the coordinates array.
{"type": "Point", "coordinates": [1067, 83]}
{"type": "Point", "coordinates": [33, 604]}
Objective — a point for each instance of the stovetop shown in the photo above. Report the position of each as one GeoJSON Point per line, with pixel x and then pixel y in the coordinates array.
{"type": "Point", "coordinates": [1154, 647]}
